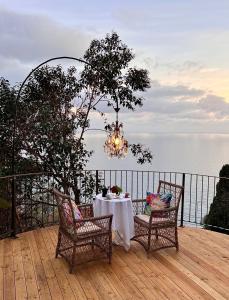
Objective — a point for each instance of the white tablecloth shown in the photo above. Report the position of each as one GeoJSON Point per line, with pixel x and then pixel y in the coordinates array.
{"type": "Point", "coordinates": [123, 219]}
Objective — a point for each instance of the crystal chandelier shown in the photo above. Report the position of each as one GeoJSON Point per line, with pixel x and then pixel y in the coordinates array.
{"type": "Point", "coordinates": [116, 145]}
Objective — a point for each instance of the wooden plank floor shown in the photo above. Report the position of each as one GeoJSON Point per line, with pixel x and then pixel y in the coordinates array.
{"type": "Point", "coordinates": [200, 270]}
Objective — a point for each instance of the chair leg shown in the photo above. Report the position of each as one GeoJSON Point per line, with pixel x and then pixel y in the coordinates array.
{"type": "Point", "coordinates": [92, 244]}
{"type": "Point", "coordinates": [149, 243]}
{"type": "Point", "coordinates": [110, 248]}
{"type": "Point", "coordinates": [58, 244]}
{"type": "Point", "coordinates": [73, 259]}
{"type": "Point", "coordinates": [176, 239]}
{"type": "Point", "coordinates": [109, 258]}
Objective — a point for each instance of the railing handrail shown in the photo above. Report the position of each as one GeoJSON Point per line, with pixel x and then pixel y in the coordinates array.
{"type": "Point", "coordinates": [117, 170]}
{"type": "Point", "coordinates": [25, 174]}
{"type": "Point", "coordinates": [155, 171]}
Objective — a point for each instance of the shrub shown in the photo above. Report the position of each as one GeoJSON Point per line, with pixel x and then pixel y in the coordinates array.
{"type": "Point", "coordinates": [218, 216]}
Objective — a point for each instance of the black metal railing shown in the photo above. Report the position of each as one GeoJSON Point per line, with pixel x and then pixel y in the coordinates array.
{"type": "Point", "coordinates": [199, 190]}
{"type": "Point", "coordinates": [35, 205]}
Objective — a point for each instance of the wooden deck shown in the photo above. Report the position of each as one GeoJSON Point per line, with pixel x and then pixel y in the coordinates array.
{"type": "Point", "coordinates": [28, 270]}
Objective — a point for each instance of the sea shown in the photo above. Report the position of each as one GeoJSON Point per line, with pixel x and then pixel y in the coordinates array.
{"type": "Point", "coordinates": [172, 152]}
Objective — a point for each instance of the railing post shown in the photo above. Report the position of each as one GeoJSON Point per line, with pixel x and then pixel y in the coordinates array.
{"type": "Point", "coordinates": [96, 182]}
{"type": "Point", "coordinates": [13, 209]}
{"type": "Point", "coordinates": [182, 202]}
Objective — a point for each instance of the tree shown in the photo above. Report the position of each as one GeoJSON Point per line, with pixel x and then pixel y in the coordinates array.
{"type": "Point", "coordinates": [218, 215]}
{"type": "Point", "coordinates": [55, 108]}
{"type": "Point", "coordinates": [49, 126]}
{"type": "Point", "coordinates": [115, 82]}
{"type": "Point", "coordinates": [7, 104]}
{"type": "Point", "coordinates": [7, 100]}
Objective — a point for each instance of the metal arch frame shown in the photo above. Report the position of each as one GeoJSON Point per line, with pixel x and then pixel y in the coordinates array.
{"type": "Point", "coordinates": [13, 199]}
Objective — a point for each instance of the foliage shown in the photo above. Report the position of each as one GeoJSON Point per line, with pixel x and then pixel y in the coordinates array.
{"type": "Point", "coordinates": [109, 59]}
{"type": "Point", "coordinates": [49, 126]}
{"type": "Point", "coordinates": [7, 99]}
{"type": "Point", "coordinates": [219, 210]}
{"type": "Point", "coordinates": [142, 154]}
{"type": "Point", "coordinates": [7, 106]}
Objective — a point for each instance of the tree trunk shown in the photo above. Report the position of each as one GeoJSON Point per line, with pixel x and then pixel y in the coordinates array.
{"type": "Point", "coordinates": [77, 195]}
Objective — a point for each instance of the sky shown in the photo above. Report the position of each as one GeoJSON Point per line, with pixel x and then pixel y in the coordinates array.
{"type": "Point", "coordinates": [183, 44]}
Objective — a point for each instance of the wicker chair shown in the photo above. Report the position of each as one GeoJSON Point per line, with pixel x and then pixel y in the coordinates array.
{"type": "Point", "coordinates": [159, 230]}
{"type": "Point", "coordinates": [82, 240]}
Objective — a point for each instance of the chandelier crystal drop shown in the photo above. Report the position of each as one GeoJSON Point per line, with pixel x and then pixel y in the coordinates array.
{"type": "Point", "coordinates": [116, 145]}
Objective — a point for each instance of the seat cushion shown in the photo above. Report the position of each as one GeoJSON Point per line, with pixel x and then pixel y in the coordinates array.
{"type": "Point", "coordinates": [146, 218]}
{"type": "Point", "coordinates": [88, 227]}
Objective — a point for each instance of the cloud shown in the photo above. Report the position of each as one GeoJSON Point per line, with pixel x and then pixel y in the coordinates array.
{"type": "Point", "coordinates": [13, 69]}
{"type": "Point", "coordinates": [185, 103]}
{"type": "Point", "coordinates": [170, 99]}
{"type": "Point", "coordinates": [162, 90]}
{"type": "Point", "coordinates": [27, 39]}
{"type": "Point", "coordinates": [174, 103]}
{"type": "Point", "coordinates": [172, 66]}
{"type": "Point", "coordinates": [209, 107]}
{"type": "Point", "coordinates": [215, 105]}
{"type": "Point", "coordinates": [37, 37]}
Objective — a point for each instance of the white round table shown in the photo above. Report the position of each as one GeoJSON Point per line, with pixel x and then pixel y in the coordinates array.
{"type": "Point", "coordinates": [123, 218]}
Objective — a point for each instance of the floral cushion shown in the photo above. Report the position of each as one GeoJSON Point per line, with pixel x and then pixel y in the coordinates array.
{"type": "Point", "coordinates": [157, 202]}
{"type": "Point", "coordinates": [68, 212]}
{"type": "Point", "coordinates": [166, 198]}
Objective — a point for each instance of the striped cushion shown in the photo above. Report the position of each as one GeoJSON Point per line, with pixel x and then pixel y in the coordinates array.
{"type": "Point", "coordinates": [68, 212]}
